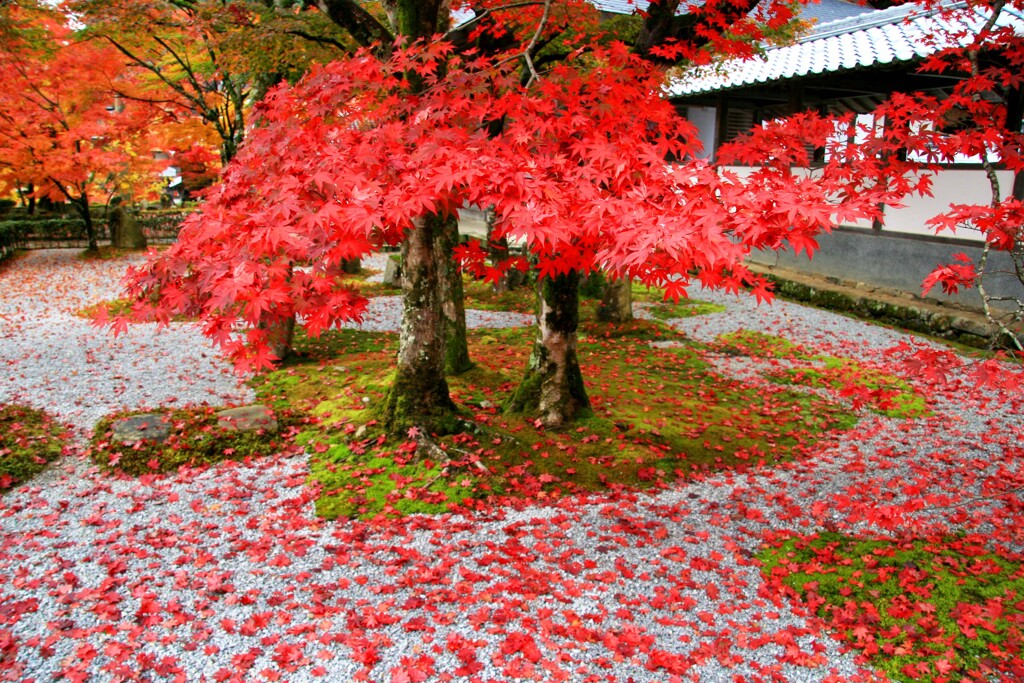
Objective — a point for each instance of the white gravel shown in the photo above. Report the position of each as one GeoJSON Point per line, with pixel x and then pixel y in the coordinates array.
{"type": "Point", "coordinates": [226, 574]}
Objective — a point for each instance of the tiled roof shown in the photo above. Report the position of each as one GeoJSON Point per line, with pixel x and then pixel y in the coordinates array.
{"type": "Point", "coordinates": [898, 34]}
{"type": "Point", "coordinates": [816, 12]}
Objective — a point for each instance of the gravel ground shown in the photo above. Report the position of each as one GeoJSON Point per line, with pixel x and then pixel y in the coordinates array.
{"type": "Point", "coordinates": [225, 574]}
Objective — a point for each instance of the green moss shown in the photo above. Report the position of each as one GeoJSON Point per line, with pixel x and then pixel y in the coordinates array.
{"type": "Point", "coordinates": [108, 253]}
{"type": "Point", "coordinates": [936, 609]}
{"type": "Point", "coordinates": [366, 485]}
{"type": "Point", "coordinates": [759, 345]}
{"type": "Point", "coordinates": [29, 441]}
{"type": "Point", "coordinates": [881, 392]}
{"type": "Point", "coordinates": [685, 308]}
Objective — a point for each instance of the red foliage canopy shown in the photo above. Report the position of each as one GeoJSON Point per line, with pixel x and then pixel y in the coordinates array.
{"type": "Point", "coordinates": [342, 163]}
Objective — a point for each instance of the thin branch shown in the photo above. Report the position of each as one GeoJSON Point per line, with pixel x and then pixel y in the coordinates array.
{"type": "Point", "coordinates": [527, 53]}
{"type": "Point", "coordinates": [154, 69]}
{"type": "Point", "coordinates": [993, 180]}
{"type": "Point", "coordinates": [185, 66]}
{"type": "Point", "coordinates": [137, 98]}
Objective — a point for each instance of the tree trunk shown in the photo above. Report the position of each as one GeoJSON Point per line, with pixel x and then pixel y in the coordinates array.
{"type": "Point", "coordinates": [456, 354]}
{"type": "Point", "coordinates": [281, 337]}
{"type": "Point", "coordinates": [351, 266]}
{"type": "Point", "coordinates": [281, 333]}
{"type": "Point", "coordinates": [617, 302]}
{"type": "Point", "coordinates": [553, 383]}
{"type": "Point", "coordinates": [418, 396]}
{"type": "Point", "coordinates": [498, 251]}
{"type": "Point", "coordinates": [82, 204]}
{"type": "Point", "coordinates": [28, 198]}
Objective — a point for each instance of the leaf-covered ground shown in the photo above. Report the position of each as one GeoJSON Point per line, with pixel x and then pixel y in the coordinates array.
{"type": "Point", "coordinates": [226, 573]}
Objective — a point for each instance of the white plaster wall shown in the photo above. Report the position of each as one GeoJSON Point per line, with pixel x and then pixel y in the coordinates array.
{"type": "Point", "coordinates": [950, 186]}
{"type": "Point", "coordinates": [705, 118]}
{"type": "Point", "coordinates": [743, 171]}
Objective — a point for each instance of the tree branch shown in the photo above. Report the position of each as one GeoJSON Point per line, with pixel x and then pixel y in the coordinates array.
{"type": "Point", "coordinates": [360, 24]}
{"type": "Point", "coordinates": [664, 24]}
{"type": "Point", "coordinates": [528, 52]}
{"type": "Point", "coordinates": [323, 40]}
{"type": "Point", "coordinates": [464, 28]}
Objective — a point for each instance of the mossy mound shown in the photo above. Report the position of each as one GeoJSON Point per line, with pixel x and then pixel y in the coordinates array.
{"type": "Point", "coordinates": [29, 441]}
{"type": "Point", "coordinates": [944, 609]}
{"type": "Point", "coordinates": [195, 437]}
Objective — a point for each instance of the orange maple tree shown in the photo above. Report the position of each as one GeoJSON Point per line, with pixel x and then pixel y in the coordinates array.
{"type": "Point", "coordinates": [63, 131]}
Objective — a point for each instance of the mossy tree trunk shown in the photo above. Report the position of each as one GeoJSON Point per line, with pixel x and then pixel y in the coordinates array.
{"type": "Point", "coordinates": [418, 396]}
{"type": "Point", "coordinates": [616, 302]}
{"type": "Point", "coordinates": [456, 353]}
{"type": "Point", "coordinates": [553, 384]}
{"type": "Point", "coordinates": [281, 333]}
{"type": "Point", "coordinates": [498, 251]}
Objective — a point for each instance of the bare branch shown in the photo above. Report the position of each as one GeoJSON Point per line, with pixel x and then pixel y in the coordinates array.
{"type": "Point", "coordinates": [528, 52]}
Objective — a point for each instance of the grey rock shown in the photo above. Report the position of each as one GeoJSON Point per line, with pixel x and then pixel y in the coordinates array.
{"type": "Point", "coordinates": [148, 427]}
{"type": "Point", "coordinates": [248, 419]}
{"type": "Point", "coordinates": [971, 327]}
{"type": "Point", "coordinates": [393, 273]}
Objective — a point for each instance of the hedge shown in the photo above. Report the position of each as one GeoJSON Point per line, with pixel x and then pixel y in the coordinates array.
{"type": "Point", "coordinates": [8, 241]}
{"type": "Point", "coordinates": [16, 232]}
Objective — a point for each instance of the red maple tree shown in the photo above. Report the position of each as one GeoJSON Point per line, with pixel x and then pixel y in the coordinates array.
{"type": "Point", "coordinates": [569, 148]}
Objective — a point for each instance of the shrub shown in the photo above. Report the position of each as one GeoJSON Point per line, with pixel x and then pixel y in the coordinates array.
{"type": "Point", "coordinates": [8, 240]}
{"type": "Point", "coordinates": [161, 223]}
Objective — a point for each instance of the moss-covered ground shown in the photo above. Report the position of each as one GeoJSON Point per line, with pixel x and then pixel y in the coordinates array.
{"type": "Point", "coordinates": [659, 413]}
{"type": "Point", "coordinates": [108, 253]}
{"type": "Point", "coordinates": [881, 392]}
{"type": "Point", "coordinates": [944, 609]}
{"type": "Point", "coordinates": [29, 440]}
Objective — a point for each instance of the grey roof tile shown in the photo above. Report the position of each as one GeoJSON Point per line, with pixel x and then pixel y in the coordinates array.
{"type": "Point", "coordinates": [819, 12]}
{"type": "Point", "coordinates": [897, 34]}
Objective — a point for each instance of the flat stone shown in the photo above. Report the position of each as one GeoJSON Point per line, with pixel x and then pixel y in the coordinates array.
{"type": "Point", "coordinates": [149, 427]}
{"type": "Point", "coordinates": [971, 327]}
{"type": "Point", "coordinates": [247, 419]}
